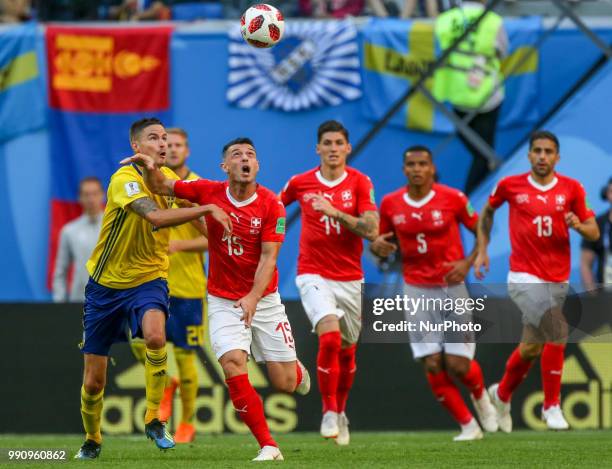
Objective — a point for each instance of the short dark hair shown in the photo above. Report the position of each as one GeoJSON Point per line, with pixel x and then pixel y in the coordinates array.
{"type": "Point", "coordinates": [236, 141]}
{"type": "Point", "coordinates": [332, 126]}
{"type": "Point", "coordinates": [544, 134]}
{"type": "Point", "coordinates": [137, 127]}
{"type": "Point", "coordinates": [419, 148]}
{"type": "Point", "coordinates": [178, 131]}
{"type": "Point", "coordinates": [90, 179]}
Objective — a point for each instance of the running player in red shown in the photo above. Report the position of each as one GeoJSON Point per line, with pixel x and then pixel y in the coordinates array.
{"type": "Point", "coordinates": [245, 312]}
{"type": "Point", "coordinates": [543, 206]}
{"type": "Point", "coordinates": [338, 210]}
{"type": "Point", "coordinates": [424, 217]}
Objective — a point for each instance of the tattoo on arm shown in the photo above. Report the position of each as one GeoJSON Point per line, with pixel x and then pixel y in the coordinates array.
{"type": "Point", "coordinates": [144, 206]}
{"type": "Point", "coordinates": [365, 226]}
{"type": "Point", "coordinates": [485, 223]}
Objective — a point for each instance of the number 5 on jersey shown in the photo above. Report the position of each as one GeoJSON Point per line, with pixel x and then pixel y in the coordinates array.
{"type": "Point", "coordinates": [421, 243]}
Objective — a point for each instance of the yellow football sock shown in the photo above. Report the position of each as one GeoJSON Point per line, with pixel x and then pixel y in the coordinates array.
{"type": "Point", "coordinates": [185, 360]}
{"type": "Point", "coordinates": [91, 410]}
{"type": "Point", "coordinates": [139, 350]}
{"type": "Point", "coordinates": [156, 368]}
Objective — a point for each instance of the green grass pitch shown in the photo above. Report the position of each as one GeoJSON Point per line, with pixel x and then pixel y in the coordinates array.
{"type": "Point", "coordinates": [525, 449]}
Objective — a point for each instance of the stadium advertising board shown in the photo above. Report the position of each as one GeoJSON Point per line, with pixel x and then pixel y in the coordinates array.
{"type": "Point", "coordinates": [44, 340]}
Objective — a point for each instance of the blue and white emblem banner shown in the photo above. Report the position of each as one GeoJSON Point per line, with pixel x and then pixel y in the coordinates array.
{"type": "Point", "coordinates": [315, 64]}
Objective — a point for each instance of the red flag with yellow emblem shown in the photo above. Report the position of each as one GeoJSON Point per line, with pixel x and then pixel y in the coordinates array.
{"type": "Point", "coordinates": [108, 70]}
{"type": "Point", "coordinates": [100, 80]}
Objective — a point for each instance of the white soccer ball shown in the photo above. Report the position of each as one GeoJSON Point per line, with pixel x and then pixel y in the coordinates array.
{"type": "Point", "coordinates": [262, 25]}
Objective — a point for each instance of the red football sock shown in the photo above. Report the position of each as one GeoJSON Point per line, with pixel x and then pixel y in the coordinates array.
{"type": "Point", "coordinates": [551, 364]}
{"type": "Point", "coordinates": [449, 396]}
{"type": "Point", "coordinates": [298, 373]}
{"type": "Point", "coordinates": [250, 408]}
{"type": "Point", "coordinates": [516, 371]}
{"type": "Point", "coordinates": [328, 369]}
{"type": "Point", "coordinates": [347, 375]}
{"type": "Point", "coordinates": [473, 380]}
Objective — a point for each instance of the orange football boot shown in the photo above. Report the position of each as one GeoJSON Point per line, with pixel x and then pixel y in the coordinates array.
{"type": "Point", "coordinates": [185, 433]}
{"type": "Point", "coordinates": [165, 406]}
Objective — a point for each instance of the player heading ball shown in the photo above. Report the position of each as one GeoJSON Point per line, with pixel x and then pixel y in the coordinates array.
{"type": "Point", "coordinates": [245, 313]}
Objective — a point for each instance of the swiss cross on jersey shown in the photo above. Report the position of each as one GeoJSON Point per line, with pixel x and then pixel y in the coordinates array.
{"type": "Point", "coordinates": [327, 248]}
{"type": "Point", "coordinates": [234, 257]}
{"type": "Point", "coordinates": [538, 233]}
{"type": "Point", "coordinates": [427, 231]}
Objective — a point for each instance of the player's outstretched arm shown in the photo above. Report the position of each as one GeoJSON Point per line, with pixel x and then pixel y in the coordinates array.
{"type": "Point", "coordinates": [153, 177]}
{"type": "Point", "coordinates": [483, 235]}
{"type": "Point", "coordinates": [365, 225]}
{"type": "Point", "coordinates": [588, 229]}
{"type": "Point", "coordinates": [199, 244]}
{"type": "Point", "coordinates": [148, 209]}
{"type": "Point", "coordinates": [263, 277]}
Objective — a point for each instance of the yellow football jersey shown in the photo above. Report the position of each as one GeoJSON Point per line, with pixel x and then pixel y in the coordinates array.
{"type": "Point", "coordinates": [130, 251]}
{"type": "Point", "coordinates": [186, 278]}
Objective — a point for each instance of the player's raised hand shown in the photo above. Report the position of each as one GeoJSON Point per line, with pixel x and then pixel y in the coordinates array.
{"type": "Point", "coordinates": [458, 270]}
{"type": "Point", "coordinates": [218, 214]}
{"type": "Point", "coordinates": [322, 205]}
{"type": "Point", "coordinates": [482, 261]}
{"type": "Point", "coordinates": [572, 220]}
{"type": "Point", "coordinates": [141, 160]}
{"type": "Point", "coordinates": [382, 246]}
{"type": "Point", "coordinates": [248, 304]}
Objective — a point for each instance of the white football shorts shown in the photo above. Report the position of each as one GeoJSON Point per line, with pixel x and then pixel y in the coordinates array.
{"type": "Point", "coordinates": [423, 342]}
{"type": "Point", "coordinates": [322, 297]}
{"type": "Point", "coordinates": [269, 339]}
{"type": "Point", "coordinates": [534, 296]}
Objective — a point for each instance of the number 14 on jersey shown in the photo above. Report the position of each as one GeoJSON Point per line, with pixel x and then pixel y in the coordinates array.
{"type": "Point", "coordinates": [331, 224]}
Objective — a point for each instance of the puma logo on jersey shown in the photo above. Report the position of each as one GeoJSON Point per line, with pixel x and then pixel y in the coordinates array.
{"type": "Point", "coordinates": [328, 196]}
{"type": "Point", "coordinates": [543, 198]}
{"type": "Point", "coordinates": [235, 216]}
{"type": "Point", "coordinates": [244, 409]}
{"type": "Point", "coordinates": [417, 215]}
{"type": "Point", "coordinates": [323, 370]}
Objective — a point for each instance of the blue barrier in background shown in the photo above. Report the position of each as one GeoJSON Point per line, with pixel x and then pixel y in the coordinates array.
{"type": "Point", "coordinates": [285, 144]}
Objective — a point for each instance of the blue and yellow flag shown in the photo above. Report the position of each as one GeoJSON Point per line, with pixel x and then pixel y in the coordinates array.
{"type": "Point", "coordinates": [397, 52]}
{"type": "Point", "coordinates": [22, 101]}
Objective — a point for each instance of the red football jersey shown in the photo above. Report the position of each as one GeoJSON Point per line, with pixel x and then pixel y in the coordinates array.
{"type": "Point", "coordinates": [234, 258]}
{"type": "Point", "coordinates": [539, 235]}
{"type": "Point", "coordinates": [326, 247]}
{"type": "Point", "coordinates": [427, 231]}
